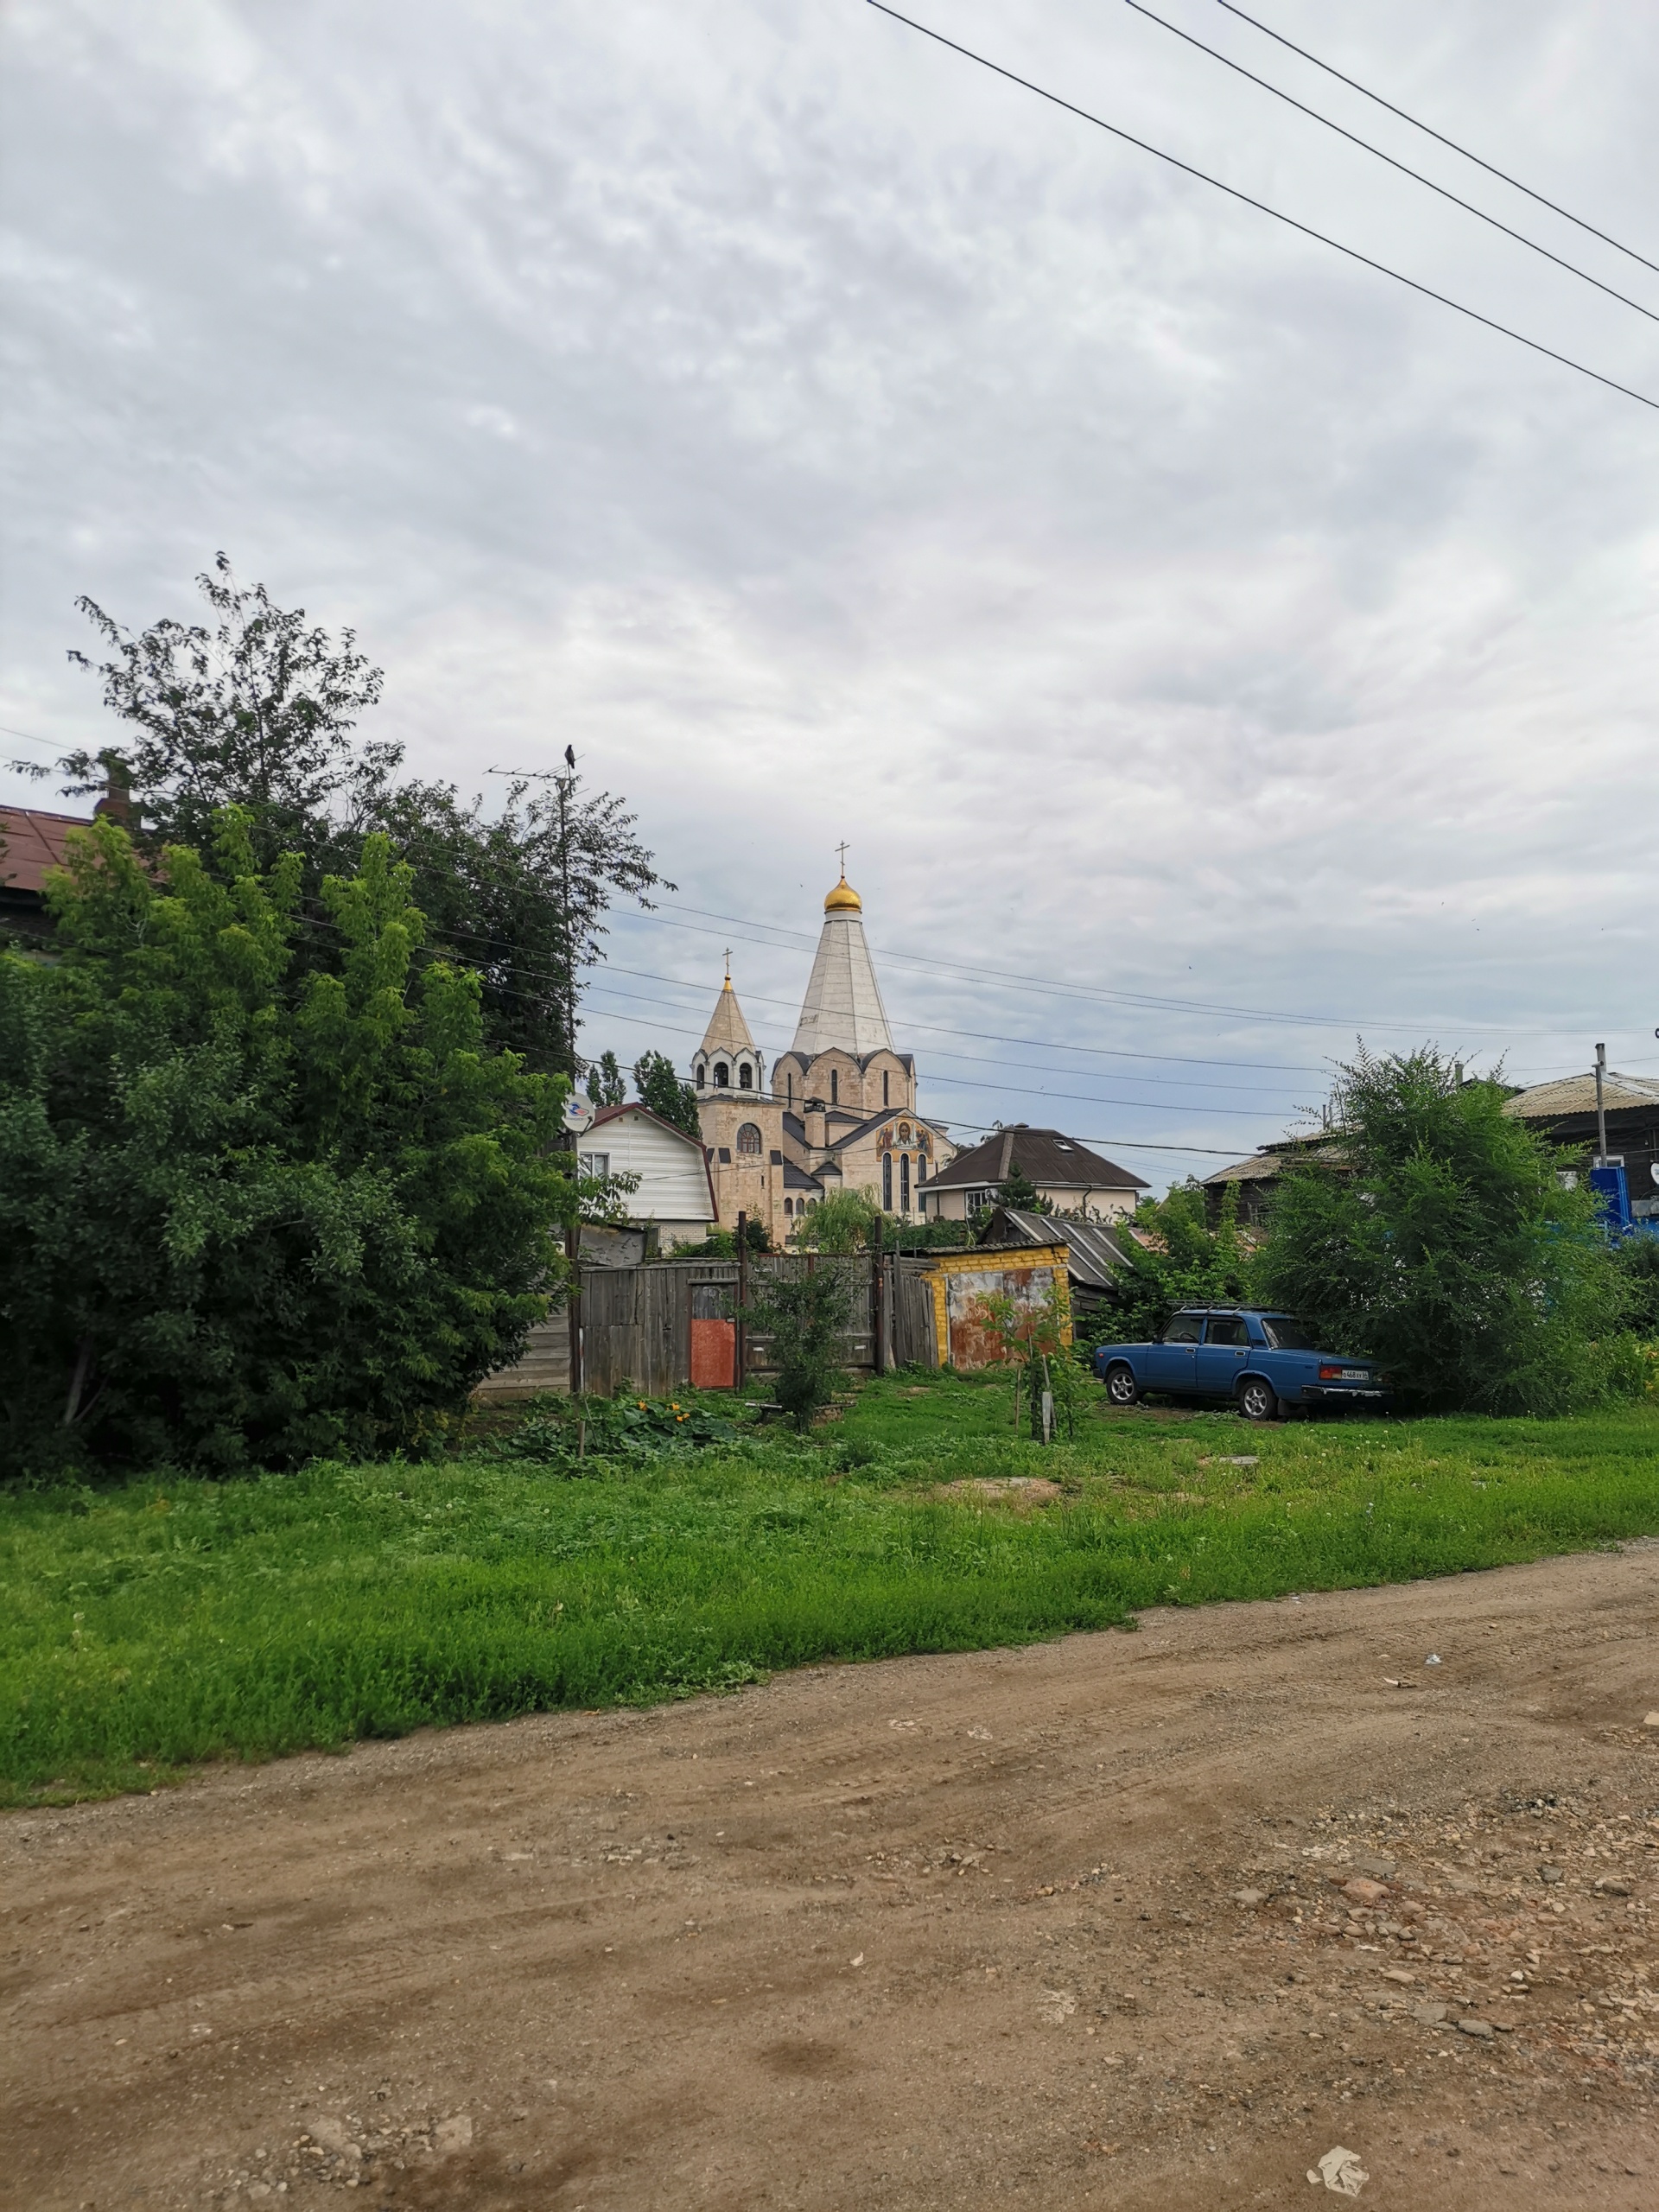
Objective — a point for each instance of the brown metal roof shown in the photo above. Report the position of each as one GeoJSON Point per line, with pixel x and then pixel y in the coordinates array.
{"type": "Point", "coordinates": [1047, 1158]}
{"type": "Point", "coordinates": [1576, 1094]}
{"type": "Point", "coordinates": [34, 843]}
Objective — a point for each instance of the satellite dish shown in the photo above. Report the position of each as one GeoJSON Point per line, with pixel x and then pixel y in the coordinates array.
{"type": "Point", "coordinates": [1653, 1169]}
{"type": "Point", "coordinates": [578, 1116]}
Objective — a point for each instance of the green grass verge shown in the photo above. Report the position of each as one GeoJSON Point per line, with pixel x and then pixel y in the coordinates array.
{"type": "Point", "coordinates": [148, 1627]}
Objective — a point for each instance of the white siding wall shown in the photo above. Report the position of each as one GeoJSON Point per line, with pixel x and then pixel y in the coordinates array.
{"type": "Point", "coordinates": [673, 1183]}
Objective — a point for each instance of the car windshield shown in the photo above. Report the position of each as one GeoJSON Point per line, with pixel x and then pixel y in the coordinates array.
{"type": "Point", "coordinates": [1286, 1335]}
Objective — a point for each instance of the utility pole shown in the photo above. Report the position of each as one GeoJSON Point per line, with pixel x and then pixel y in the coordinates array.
{"type": "Point", "coordinates": [878, 1300]}
{"type": "Point", "coordinates": [740, 1348]}
{"type": "Point", "coordinates": [1601, 1110]}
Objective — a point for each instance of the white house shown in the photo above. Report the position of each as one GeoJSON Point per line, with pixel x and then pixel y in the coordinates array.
{"type": "Point", "coordinates": [675, 1191]}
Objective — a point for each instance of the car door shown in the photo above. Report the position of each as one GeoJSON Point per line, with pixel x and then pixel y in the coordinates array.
{"type": "Point", "coordinates": [1220, 1358]}
{"type": "Point", "coordinates": [1169, 1363]}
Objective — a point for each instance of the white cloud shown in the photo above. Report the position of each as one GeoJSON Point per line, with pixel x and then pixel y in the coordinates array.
{"type": "Point", "coordinates": [831, 440]}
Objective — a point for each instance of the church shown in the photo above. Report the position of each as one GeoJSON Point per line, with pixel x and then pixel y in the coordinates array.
{"type": "Point", "coordinates": [839, 1113]}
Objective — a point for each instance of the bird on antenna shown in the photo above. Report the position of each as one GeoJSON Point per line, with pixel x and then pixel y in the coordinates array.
{"type": "Point", "coordinates": [570, 757]}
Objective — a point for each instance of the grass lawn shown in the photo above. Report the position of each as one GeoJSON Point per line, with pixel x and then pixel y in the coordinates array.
{"type": "Point", "coordinates": [147, 1626]}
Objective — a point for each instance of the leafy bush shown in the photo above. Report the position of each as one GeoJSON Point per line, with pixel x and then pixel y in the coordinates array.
{"type": "Point", "coordinates": [806, 1320]}
{"type": "Point", "coordinates": [562, 1432]}
{"type": "Point", "coordinates": [1033, 1341]}
{"type": "Point", "coordinates": [841, 1223]}
{"type": "Point", "coordinates": [1443, 1243]}
{"type": "Point", "coordinates": [253, 1214]}
{"type": "Point", "coordinates": [1187, 1263]}
{"type": "Point", "coordinates": [1639, 1268]}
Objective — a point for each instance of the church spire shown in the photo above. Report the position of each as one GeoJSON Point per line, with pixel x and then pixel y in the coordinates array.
{"type": "Point", "coordinates": [727, 1031]}
{"type": "Point", "coordinates": [842, 1007]}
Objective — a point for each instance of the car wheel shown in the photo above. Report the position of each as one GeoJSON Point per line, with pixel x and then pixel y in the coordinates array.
{"type": "Point", "coordinates": [1257, 1400]}
{"type": "Point", "coordinates": [1122, 1388]}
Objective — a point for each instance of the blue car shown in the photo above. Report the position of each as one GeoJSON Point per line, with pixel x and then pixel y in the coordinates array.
{"type": "Point", "coordinates": [1264, 1362]}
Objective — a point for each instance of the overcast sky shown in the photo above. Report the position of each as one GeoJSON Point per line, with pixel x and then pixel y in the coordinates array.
{"type": "Point", "coordinates": [832, 440]}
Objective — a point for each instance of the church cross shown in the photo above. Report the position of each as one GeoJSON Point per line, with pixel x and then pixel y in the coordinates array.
{"type": "Point", "coordinates": [842, 850]}
{"type": "Point", "coordinates": [728, 963]}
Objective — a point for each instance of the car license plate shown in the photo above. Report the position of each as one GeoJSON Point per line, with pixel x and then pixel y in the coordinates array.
{"type": "Point", "coordinates": [1356, 1375]}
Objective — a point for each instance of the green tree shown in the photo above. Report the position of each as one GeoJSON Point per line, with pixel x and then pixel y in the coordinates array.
{"type": "Point", "coordinates": [260, 711]}
{"type": "Point", "coordinates": [257, 712]}
{"type": "Point", "coordinates": [1017, 1190]}
{"type": "Point", "coordinates": [605, 1085]}
{"type": "Point", "coordinates": [1176, 1259]}
{"type": "Point", "coordinates": [520, 897]}
{"type": "Point", "coordinates": [1443, 1243]}
{"type": "Point", "coordinates": [662, 1090]}
{"type": "Point", "coordinates": [805, 1320]}
{"type": "Point", "coordinates": [842, 1223]}
{"type": "Point", "coordinates": [247, 1223]}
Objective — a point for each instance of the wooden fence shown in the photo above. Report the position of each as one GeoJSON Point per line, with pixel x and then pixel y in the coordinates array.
{"type": "Point", "coordinates": [637, 1324]}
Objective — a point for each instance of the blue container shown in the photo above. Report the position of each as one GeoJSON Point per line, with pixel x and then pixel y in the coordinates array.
{"type": "Point", "coordinates": [1610, 1186]}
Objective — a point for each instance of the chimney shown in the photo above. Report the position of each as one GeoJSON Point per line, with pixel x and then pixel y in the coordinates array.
{"type": "Point", "coordinates": [117, 801]}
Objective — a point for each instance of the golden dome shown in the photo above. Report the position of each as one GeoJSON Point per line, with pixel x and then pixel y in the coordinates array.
{"type": "Point", "coordinates": [843, 900]}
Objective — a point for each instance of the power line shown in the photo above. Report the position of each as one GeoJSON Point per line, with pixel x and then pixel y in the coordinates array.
{"type": "Point", "coordinates": [931, 965]}
{"type": "Point", "coordinates": [1429, 130]}
{"type": "Point", "coordinates": [1405, 169]}
{"type": "Point", "coordinates": [1234, 192]}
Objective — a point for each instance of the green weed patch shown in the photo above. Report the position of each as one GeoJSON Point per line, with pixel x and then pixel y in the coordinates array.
{"type": "Point", "coordinates": [148, 1627]}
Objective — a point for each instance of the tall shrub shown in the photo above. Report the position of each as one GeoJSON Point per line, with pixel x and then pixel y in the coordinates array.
{"type": "Point", "coordinates": [252, 1213]}
{"type": "Point", "coordinates": [806, 1320]}
{"type": "Point", "coordinates": [1443, 1242]}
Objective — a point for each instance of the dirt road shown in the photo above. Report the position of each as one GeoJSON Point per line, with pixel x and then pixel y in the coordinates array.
{"type": "Point", "coordinates": [1157, 1919]}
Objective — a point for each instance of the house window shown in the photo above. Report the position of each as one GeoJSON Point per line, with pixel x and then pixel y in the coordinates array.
{"type": "Point", "coordinates": [746, 1077]}
{"type": "Point", "coordinates": [904, 1182]}
{"type": "Point", "coordinates": [722, 1075]}
{"type": "Point", "coordinates": [748, 1139]}
{"type": "Point", "coordinates": [593, 1163]}
{"type": "Point", "coordinates": [887, 1182]}
{"type": "Point", "coordinates": [975, 1199]}
{"type": "Point", "coordinates": [885, 1085]}
{"type": "Point", "coordinates": [835, 1087]}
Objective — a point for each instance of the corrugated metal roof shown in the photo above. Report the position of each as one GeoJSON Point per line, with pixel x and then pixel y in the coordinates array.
{"type": "Point", "coordinates": [1576, 1094]}
{"type": "Point", "coordinates": [1094, 1257]}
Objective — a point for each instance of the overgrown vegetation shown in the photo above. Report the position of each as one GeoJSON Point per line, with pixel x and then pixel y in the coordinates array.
{"type": "Point", "coordinates": [804, 1318]}
{"type": "Point", "coordinates": [1445, 1244]}
{"type": "Point", "coordinates": [149, 1625]}
{"type": "Point", "coordinates": [1031, 1341]}
{"type": "Point", "coordinates": [841, 1224]}
{"type": "Point", "coordinates": [1184, 1263]}
{"type": "Point", "coordinates": [252, 1213]}
{"type": "Point", "coordinates": [580, 1434]}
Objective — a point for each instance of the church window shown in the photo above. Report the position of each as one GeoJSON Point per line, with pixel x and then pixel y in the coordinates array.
{"type": "Point", "coordinates": [703, 1075]}
{"type": "Point", "coordinates": [789, 1085]}
{"type": "Point", "coordinates": [746, 1077]}
{"type": "Point", "coordinates": [887, 1182]}
{"type": "Point", "coordinates": [921, 1174]}
{"type": "Point", "coordinates": [788, 1208]}
{"type": "Point", "coordinates": [886, 1082]}
{"type": "Point", "coordinates": [722, 1075]}
{"type": "Point", "coordinates": [904, 1182]}
{"type": "Point", "coordinates": [748, 1139]}
{"type": "Point", "coordinates": [834, 1086]}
